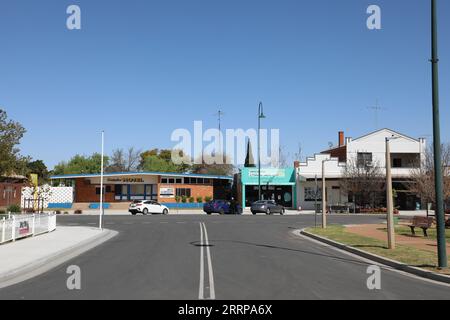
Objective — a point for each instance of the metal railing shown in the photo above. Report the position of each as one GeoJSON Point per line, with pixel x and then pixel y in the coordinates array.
{"type": "Point", "coordinates": [21, 226]}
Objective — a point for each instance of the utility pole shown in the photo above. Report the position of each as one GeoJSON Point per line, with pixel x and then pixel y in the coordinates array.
{"type": "Point", "coordinates": [389, 198]}
{"type": "Point", "coordinates": [315, 201]}
{"type": "Point", "coordinates": [101, 184]}
{"type": "Point", "coordinates": [440, 218]}
{"type": "Point", "coordinates": [324, 197]}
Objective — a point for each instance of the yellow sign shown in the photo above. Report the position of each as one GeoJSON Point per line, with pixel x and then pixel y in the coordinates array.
{"type": "Point", "coordinates": [35, 182]}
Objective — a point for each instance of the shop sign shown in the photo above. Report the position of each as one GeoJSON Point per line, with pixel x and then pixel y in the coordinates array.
{"type": "Point", "coordinates": [167, 192]}
{"type": "Point", "coordinates": [267, 172]}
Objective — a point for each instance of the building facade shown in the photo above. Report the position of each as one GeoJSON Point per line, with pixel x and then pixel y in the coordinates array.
{"type": "Point", "coordinates": [11, 190]}
{"type": "Point", "coordinates": [276, 184]}
{"type": "Point", "coordinates": [161, 187]}
{"type": "Point", "coordinates": [406, 154]}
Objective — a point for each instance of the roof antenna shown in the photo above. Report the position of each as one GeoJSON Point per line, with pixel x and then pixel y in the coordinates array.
{"type": "Point", "coordinates": [375, 110]}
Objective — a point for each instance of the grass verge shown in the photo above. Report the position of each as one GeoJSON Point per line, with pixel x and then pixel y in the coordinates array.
{"type": "Point", "coordinates": [404, 254]}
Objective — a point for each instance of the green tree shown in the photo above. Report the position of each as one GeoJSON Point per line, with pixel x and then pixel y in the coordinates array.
{"type": "Point", "coordinates": [208, 166]}
{"type": "Point", "coordinates": [157, 164]}
{"type": "Point", "coordinates": [38, 167]}
{"type": "Point", "coordinates": [81, 165]}
{"type": "Point", "coordinates": [160, 161]}
{"type": "Point", "coordinates": [11, 133]}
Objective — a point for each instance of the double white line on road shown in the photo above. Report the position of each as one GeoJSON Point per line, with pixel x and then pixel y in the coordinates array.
{"type": "Point", "coordinates": [204, 243]}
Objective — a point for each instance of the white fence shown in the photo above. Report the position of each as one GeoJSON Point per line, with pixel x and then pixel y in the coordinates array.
{"type": "Point", "coordinates": [17, 227]}
{"type": "Point", "coordinates": [49, 194]}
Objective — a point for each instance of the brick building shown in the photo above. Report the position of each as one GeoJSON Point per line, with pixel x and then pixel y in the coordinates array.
{"type": "Point", "coordinates": [162, 187]}
{"type": "Point", "coordinates": [11, 190]}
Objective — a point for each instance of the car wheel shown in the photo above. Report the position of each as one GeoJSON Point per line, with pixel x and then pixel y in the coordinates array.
{"type": "Point", "coordinates": [145, 211]}
{"type": "Point", "coordinates": [165, 211]}
{"type": "Point", "coordinates": [253, 212]}
{"type": "Point", "coordinates": [208, 213]}
{"type": "Point", "coordinates": [221, 212]}
{"type": "Point", "coordinates": [282, 211]}
{"type": "Point", "coordinates": [133, 213]}
{"type": "Point", "coordinates": [268, 211]}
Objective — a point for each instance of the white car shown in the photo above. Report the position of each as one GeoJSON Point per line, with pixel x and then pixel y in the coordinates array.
{"type": "Point", "coordinates": [146, 207]}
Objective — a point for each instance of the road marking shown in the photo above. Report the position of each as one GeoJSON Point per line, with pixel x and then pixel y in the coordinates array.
{"type": "Point", "coordinates": [210, 269]}
{"type": "Point", "coordinates": [202, 279]}
{"type": "Point", "coordinates": [204, 242]}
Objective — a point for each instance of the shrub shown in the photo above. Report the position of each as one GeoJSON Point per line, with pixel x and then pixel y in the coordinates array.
{"type": "Point", "coordinates": [78, 211]}
{"type": "Point", "coordinates": [14, 208]}
{"type": "Point", "coordinates": [177, 199]}
{"type": "Point", "coordinates": [200, 199]}
{"type": "Point", "coordinates": [2, 212]}
{"type": "Point", "coordinates": [66, 212]}
{"type": "Point", "coordinates": [58, 212]}
{"type": "Point", "coordinates": [191, 200]}
{"type": "Point", "coordinates": [208, 199]}
{"type": "Point", "coordinates": [184, 199]}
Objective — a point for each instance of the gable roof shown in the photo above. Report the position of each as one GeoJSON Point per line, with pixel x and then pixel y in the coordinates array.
{"type": "Point", "coordinates": [393, 132]}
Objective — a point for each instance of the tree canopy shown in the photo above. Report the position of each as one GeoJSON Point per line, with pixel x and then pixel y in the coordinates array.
{"type": "Point", "coordinates": [80, 164]}
{"type": "Point", "coordinates": [11, 133]}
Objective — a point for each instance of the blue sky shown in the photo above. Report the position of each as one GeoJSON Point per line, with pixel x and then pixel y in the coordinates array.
{"type": "Point", "coordinates": [140, 69]}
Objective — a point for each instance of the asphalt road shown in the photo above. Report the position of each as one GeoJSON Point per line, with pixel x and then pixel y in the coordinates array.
{"type": "Point", "coordinates": [231, 257]}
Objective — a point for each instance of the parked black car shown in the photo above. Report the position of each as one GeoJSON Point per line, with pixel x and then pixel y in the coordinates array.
{"type": "Point", "coordinates": [267, 207]}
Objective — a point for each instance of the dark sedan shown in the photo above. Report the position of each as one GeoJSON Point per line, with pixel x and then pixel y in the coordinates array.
{"type": "Point", "coordinates": [267, 207]}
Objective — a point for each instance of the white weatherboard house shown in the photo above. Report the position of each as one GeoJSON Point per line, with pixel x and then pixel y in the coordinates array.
{"type": "Point", "coordinates": [406, 153]}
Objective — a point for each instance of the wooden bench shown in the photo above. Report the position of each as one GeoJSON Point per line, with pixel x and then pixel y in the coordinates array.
{"type": "Point", "coordinates": [421, 222]}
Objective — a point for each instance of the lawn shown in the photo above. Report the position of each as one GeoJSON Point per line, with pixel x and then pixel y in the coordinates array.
{"type": "Point", "coordinates": [406, 231]}
{"type": "Point", "coordinates": [405, 254]}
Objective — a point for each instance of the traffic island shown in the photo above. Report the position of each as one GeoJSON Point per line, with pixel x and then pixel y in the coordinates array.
{"type": "Point", "coordinates": [371, 243]}
{"type": "Point", "coordinates": [28, 258]}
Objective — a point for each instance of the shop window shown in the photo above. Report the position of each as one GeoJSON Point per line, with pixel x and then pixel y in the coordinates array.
{"type": "Point", "coordinates": [171, 180]}
{"type": "Point", "coordinates": [207, 181]}
{"type": "Point", "coordinates": [164, 180]}
{"type": "Point", "coordinates": [178, 180]}
{"type": "Point", "coordinates": [183, 192]}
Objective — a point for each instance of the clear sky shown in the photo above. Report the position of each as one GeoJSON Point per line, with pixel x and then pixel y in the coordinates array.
{"type": "Point", "coordinates": [141, 68]}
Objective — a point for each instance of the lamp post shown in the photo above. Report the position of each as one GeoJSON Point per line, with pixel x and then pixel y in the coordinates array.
{"type": "Point", "coordinates": [100, 226]}
{"type": "Point", "coordinates": [389, 197]}
{"type": "Point", "coordinates": [260, 116]}
{"type": "Point", "coordinates": [439, 210]}
{"type": "Point", "coordinates": [324, 196]}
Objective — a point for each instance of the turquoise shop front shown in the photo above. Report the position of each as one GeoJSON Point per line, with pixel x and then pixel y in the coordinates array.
{"type": "Point", "coordinates": [276, 184]}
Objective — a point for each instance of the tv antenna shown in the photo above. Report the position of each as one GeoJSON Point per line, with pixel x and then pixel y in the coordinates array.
{"type": "Point", "coordinates": [219, 114]}
{"type": "Point", "coordinates": [376, 109]}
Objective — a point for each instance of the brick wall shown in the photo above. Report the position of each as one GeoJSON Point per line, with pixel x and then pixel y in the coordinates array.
{"type": "Point", "coordinates": [85, 192]}
{"type": "Point", "coordinates": [10, 197]}
{"type": "Point", "coordinates": [196, 191]}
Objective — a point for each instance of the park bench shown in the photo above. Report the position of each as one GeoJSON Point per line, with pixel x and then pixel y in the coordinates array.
{"type": "Point", "coordinates": [421, 222]}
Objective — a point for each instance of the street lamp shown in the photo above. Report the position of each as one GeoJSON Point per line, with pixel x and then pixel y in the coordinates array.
{"type": "Point", "coordinates": [439, 210]}
{"type": "Point", "coordinates": [260, 116]}
{"type": "Point", "coordinates": [389, 196]}
{"type": "Point", "coordinates": [100, 226]}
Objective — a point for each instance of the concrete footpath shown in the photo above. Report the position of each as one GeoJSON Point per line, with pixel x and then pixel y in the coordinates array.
{"type": "Point", "coordinates": [27, 258]}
